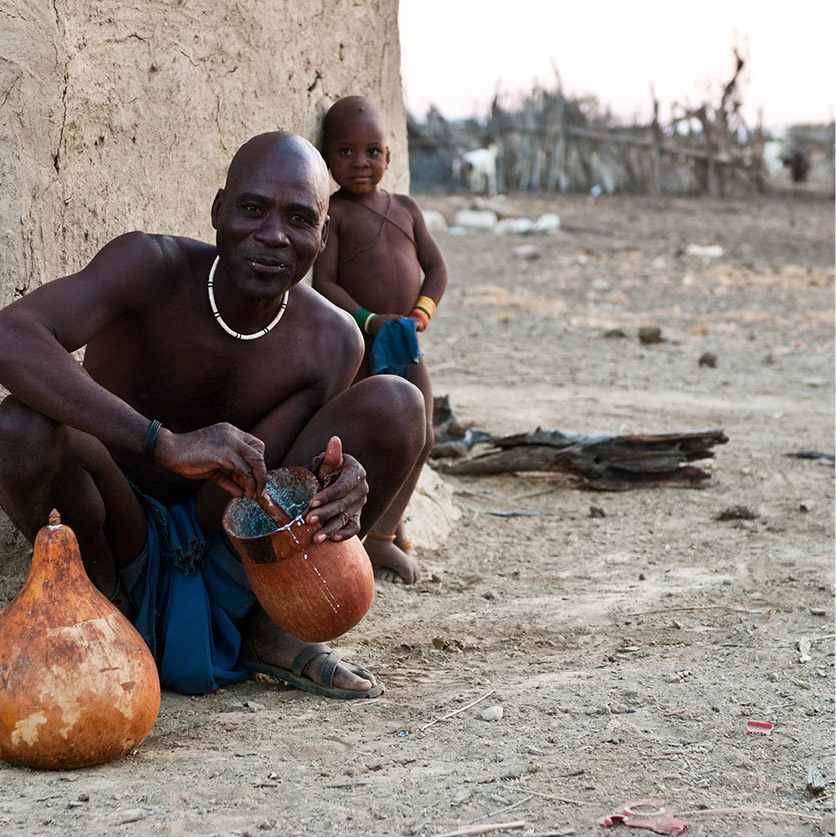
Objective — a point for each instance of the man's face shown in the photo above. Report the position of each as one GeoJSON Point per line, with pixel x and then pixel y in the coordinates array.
{"type": "Point", "coordinates": [356, 152]}
{"type": "Point", "coordinates": [271, 218]}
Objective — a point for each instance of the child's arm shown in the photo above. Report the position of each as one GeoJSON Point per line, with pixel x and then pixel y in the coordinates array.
{"type": "Point", "coordinates": [325, 272]}
{"type": "Point", "coordinates": [433, 266]}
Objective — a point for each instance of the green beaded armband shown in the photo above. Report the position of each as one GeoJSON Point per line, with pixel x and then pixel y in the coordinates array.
{"type": "Point", "coordinates": [361, 316]}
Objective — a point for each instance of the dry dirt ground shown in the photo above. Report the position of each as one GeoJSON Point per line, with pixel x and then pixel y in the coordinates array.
{"type": "Point", "coordinates": [627, 648]}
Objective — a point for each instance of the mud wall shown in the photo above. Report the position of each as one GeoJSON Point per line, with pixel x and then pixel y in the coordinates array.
{"type": "Point", "coordinates": [118, 116]}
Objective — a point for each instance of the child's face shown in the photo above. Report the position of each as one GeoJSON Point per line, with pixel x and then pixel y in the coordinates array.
{"type": "Point", "coordinates": [356, 153]}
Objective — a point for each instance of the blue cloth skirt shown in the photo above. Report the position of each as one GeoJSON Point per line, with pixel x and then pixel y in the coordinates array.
{"type": "Point", "coordinates": [189, 588]}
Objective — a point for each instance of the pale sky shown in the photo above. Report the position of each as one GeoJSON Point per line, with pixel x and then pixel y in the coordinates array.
{"type": "Point", "coordinates": [454, 54]}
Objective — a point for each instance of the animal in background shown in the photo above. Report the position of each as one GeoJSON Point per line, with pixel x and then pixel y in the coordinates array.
{"type": "Point", "coordinates": [477, 169]}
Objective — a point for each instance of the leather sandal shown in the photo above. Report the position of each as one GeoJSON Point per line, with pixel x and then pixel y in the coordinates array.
{"type": "Point", "coordinates": [293, 676]}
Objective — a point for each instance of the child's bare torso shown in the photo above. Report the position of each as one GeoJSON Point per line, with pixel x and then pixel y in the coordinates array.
{"type": "Point", "coordinates": [377, 261]}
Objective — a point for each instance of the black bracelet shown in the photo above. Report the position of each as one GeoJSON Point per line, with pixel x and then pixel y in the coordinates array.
{"type": "Point", "coordinates": [151, 441]}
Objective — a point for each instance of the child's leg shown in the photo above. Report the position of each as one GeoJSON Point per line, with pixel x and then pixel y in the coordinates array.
{"type": "Point", "coordinates": [420, 377]}
{"type": "Point", "coordinates": [391, 562]}
{"type": "Point", "coordinates": [366, 367]}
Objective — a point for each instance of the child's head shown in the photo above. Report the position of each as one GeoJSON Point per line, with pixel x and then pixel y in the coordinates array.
{"type": "Point", "coordinates": [354, 144]}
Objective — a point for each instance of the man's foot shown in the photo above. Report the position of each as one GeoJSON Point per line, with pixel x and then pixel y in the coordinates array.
{"type": "Point", "coordinates": [390, 563]}
{"type": "Point", "coordinates": [278, 651]}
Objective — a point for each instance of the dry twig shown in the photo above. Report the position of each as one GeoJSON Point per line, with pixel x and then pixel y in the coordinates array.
{"type": "Point", "coordinates": [500, 811]}
{"type": "Point", "coordinates": [749, 810]}
{"type": "Point", "coordinates": [480, 830]}
{"type": "Point", "coordinates": [553, 797]}
{"type": "Point", "coordinates": [456, 712]}
{"type": "Point", "coordinates": [694, 608]}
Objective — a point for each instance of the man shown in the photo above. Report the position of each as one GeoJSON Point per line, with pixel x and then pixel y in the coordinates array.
{"type": "Point", "coordinates": [204, 367]}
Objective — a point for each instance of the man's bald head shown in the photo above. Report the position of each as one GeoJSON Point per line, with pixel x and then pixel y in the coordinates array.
{"type": "Point", "coordinates": [275, 198]}
{"type": "Point", "coordinates": [287, 153]}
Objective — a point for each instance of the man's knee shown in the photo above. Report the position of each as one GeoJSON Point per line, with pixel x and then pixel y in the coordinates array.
{"type": "Point", "coordinates": [395, 410]}
{"type": "Point", "coordinates": [42, 460]}
{"type": "Point", "coordinates": [26, 437]}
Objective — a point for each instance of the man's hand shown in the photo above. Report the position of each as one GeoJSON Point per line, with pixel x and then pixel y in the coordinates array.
{"type": "Point", "coordinates": [229, 457]}
{"type": "Point", "coordinates": [338, 505]}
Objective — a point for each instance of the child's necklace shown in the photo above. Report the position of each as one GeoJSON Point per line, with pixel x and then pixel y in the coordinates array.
{"type": "Point", "coordinates": [231, 332]}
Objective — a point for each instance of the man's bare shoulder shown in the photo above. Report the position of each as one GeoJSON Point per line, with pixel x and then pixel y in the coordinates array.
{"type": "Point", "coordinates": [154, 256]}
{"type": "Point", "coordinates": [327, 321]}
{"type": "Point", "coordinates": [321, 311]}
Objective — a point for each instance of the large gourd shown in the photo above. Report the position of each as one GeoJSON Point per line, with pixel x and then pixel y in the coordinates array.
{"type": "Point", "coordinates": [78, 685]}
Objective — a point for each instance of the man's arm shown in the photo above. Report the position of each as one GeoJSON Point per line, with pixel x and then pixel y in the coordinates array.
{"type": "Point", "coordinates": [39, 332]}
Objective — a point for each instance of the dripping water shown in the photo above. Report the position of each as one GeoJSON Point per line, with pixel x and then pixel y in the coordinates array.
{"type": "Point", "coordinates": [252, 522]}
{"type": "Point", "coordinates": [326, 591]}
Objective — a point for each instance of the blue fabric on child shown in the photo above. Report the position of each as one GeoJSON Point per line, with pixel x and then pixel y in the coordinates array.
{"type": "Point", "coordinates": [395, 347]}
{"type": "Point", "coordinates": [188, 587]}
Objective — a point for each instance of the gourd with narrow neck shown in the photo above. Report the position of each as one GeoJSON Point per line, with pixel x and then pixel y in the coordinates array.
{"type": "Point", "coordinates": [78, 685]}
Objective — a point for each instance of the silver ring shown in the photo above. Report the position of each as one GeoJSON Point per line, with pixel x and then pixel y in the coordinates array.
{"type": "Point", "coordinates": [344, 519]}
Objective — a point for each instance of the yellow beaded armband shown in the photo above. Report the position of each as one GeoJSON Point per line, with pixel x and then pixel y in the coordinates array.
{"type": "Point", "coordinates": [426, 305]}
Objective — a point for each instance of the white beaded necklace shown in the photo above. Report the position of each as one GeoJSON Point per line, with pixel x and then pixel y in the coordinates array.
{"type": "Point", "coordinates": [232, 332]}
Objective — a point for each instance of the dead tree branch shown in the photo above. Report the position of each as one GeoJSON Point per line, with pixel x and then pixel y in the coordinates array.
{"type": "Point", "coordinates": [602, 462]}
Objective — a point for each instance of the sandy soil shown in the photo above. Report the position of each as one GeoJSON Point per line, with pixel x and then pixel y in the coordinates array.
{"type": "Point", "coordinates": [626, 651]}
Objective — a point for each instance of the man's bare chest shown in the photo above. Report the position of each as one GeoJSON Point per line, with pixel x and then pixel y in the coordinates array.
{"type": "Point", "coordinates": [190, 376]}
{"type": "Point", "coordinates": [239, 384]}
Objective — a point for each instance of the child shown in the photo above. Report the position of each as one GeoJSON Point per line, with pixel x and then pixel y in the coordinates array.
{"type": "Point", "coordinates": [378, 246]}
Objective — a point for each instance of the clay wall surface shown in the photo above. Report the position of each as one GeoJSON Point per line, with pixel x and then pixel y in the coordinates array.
{"type": "Point", "coordinates": [118, 116]}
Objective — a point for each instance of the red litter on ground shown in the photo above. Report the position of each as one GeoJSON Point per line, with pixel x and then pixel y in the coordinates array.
{"type": "Point", "coordinates": [764, 728]}
{"type": "Point", "coordinates": [646, 814]}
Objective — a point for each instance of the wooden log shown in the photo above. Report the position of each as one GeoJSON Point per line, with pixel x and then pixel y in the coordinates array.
{"type": "Point", "coordinates": [602, 462]}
